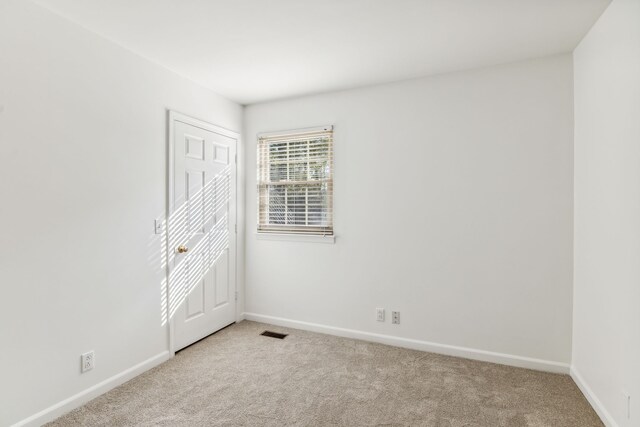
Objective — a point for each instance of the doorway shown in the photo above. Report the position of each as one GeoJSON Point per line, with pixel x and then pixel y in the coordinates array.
{"type": "Point", "coordinates": [201, 229]}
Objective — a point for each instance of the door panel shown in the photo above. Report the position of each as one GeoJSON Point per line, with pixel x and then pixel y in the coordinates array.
{"type": "Point", "coordinates": [195, 183]}
{"type": "Point", "coordinates": [195, 301]}
{"type": "Point", "coordinates": [222, 280]}
{"type": "Point", "coordinates": [202, 219]}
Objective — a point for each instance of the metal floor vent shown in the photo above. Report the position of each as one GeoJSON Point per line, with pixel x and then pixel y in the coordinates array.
{"type": "Point", "coordinates": [273, 335]}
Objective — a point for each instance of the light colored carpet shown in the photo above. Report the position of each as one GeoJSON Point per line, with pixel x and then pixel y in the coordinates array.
{"type": "Point", "coordinates": [237, 377]}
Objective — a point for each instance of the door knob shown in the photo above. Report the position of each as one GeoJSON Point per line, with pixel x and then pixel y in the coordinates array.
{"type": "Point", "coordinates": [182, 249]}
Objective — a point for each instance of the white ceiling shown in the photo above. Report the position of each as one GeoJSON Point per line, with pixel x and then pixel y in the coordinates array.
{"type": "Point", "coordinates": [257, 50]}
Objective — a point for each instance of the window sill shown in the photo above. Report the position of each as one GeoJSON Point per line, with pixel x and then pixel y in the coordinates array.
{"type": "Point", "coordinates": [311, 238]}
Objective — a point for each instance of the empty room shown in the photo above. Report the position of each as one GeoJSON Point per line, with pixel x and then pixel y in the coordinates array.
{"type": "Point", "coordinates": [320, 213]}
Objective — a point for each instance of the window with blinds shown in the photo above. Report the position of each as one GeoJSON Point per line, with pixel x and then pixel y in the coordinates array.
{"type": "Point", "coordinates": [295, 182]}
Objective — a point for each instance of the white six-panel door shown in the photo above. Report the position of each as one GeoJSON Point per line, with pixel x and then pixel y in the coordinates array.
{"type": "Point", "coordinates": [201, 229]}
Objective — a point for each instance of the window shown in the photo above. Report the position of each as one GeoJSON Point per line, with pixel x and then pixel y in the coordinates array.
{"type": "Point", "coordinates": [295, 182]}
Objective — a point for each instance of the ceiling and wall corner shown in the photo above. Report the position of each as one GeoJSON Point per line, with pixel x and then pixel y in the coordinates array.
{"type": "Point", "coordinates": [252, 51]}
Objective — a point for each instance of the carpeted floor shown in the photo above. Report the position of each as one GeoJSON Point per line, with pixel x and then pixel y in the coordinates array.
{"type": "Point", "coordinates": [237, 377]}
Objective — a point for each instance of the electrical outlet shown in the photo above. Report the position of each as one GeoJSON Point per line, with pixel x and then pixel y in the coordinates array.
{"type": "Point", "coordinates": [395, 317]}
{"type": "Point", "coordinates": [87, 361]}
{"type": "Point", "coordinates": [380, 314]}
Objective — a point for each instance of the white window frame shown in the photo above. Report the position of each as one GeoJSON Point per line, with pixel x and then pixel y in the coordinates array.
{"type": "Point", "coordinates": [299, 234]}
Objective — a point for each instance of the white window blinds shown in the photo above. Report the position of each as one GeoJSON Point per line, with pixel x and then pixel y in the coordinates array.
{"type": "Point", "coordinates": [295, 182]}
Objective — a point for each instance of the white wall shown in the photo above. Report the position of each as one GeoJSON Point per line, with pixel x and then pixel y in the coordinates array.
{"type": "Point", "coordinates": [82, 177]}
{"type": "Point", "coordinates": [453, 205]}
{"type": "Point", "coordinates": [606, 334]}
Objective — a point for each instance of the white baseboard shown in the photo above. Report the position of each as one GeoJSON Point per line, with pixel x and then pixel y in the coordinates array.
{"type": "Point", "coordinates": [60, 408]}
{"type": "Point", "coordinates": [597, 405]}
{"type": "Point", "coordinates": [449, 350]}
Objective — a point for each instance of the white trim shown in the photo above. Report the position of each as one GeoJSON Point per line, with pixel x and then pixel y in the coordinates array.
{"type": "Point", "coordinates": [172, 117]}
{"type": "Point", "coordinates": [449, 350]}
{"type": "Point", "coordinates": [295, 131]}
{"type": "Point", "coordinates": [314, 238]}
{"type": "Point", "coordinates": [61, 408]}
{"type": "Point", "coordinates": [168, 209]}
{"type": "Point", "coordinates": [591, 397]}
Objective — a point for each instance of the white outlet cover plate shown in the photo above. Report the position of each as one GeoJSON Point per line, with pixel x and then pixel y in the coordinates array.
{"type": "Point", "coordinates": [87, 361]}
{"type": "Point", "coordinates": [395, 317]}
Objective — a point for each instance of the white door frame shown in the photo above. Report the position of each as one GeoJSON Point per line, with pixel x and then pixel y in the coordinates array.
{"type": "Point", "coordinates": [172, 116]}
